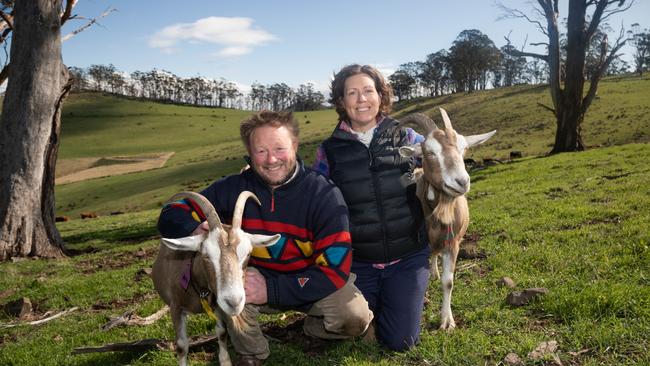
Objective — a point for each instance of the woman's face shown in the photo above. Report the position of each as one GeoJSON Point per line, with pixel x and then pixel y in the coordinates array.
{"type": "Point", "coordinates": [361, 101]}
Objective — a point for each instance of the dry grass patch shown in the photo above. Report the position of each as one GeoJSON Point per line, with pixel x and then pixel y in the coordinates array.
{"type": "Point", "coordinates": [76, 170]}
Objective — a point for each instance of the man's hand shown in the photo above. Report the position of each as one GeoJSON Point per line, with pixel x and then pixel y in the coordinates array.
{"type": "Point", "coordinates": [201, 229]}
{"type": "Point", "coordinates": [255, 287]}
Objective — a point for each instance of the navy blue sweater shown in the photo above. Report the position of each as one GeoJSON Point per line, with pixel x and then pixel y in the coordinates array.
{"type": "Point", "coordinates": [312, 258]}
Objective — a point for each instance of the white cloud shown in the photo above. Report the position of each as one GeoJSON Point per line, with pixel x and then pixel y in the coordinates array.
{"type": "Point", "coordinates": [234, 51]}
{"type": "Point", "coordinates": [236, 34]}
{"type": "Point", "coordinates": [386, 69]}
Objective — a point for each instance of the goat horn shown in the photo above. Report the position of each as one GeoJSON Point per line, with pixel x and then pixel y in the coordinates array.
{"type": "Point", "coordinates": [204, 204]}
{"type": "Point", "coordinates": [446, 119]}
{"type": "Point", "coordinates": [419, 119]}
{"type": "Point", "coordinates": [239, 208]}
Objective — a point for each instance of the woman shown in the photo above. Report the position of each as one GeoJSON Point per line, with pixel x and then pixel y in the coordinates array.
{"type": "Point", "coordinates": [390, 254]}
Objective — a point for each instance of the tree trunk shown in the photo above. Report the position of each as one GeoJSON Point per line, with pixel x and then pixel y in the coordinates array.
{"type": "Point", "coordinates": [29, 132]}
{"type": "Point", "coordinates": [568, 136]}
{"type": "Point", "coordinates": [569, 114]}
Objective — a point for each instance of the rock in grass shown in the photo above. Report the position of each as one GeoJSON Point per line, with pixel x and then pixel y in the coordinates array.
{"type": "Point", "coordinates": [520, 298]}
{"type": "Point", "coordinates": [506, 282]}
{"type": "Point", "coordinates": [142, 273]}
{"type": "Point", "coordinates": [469, 250]}
{"type": "Point", "coordinates": [512, 359]}
{"type": "Point", "coordinates": [20, 308]}
{"type": "Point", "coordinates": [545, 351]}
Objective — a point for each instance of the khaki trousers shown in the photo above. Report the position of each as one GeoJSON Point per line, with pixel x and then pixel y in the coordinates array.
{"type": "Point", "coordinates": [341, 315]}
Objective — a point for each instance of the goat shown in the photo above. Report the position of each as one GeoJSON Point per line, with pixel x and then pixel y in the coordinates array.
{"type": "Point", "coordinates": [212, 265]}
{"type": "Point", "coordinates": [440, 186]}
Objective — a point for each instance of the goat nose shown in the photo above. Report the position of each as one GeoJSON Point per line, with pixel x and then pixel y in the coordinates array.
{"type": "Point", "coordinates": [234, 302]}
{"type": "Point", "coordinates": [462, 182]}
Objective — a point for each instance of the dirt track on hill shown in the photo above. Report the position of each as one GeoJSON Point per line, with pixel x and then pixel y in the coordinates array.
{"type": "Point", "coordinates": [115, 165]}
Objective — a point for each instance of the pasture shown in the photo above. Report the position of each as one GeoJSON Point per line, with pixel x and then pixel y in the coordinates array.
{"type": "Point", "coordinates": [576, 224]}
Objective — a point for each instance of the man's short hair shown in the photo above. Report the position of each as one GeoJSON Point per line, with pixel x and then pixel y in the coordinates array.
{"type": "Point", "coordinates": [268, 118]}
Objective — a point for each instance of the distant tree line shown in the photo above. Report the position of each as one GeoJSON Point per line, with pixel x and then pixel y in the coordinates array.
{"type": "Point", "coordinates": [640, 39]}
{"type": "Point", "coordinates": [162, 85]}
{"type": "Point", "coordinates": [473, 62]}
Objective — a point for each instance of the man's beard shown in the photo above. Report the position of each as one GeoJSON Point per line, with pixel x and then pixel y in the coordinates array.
{"type": "Point", "coordinates": [283, 180]}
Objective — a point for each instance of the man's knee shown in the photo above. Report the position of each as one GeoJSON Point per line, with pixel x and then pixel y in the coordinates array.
{"type": "Point", "coordinates": [356, 321]}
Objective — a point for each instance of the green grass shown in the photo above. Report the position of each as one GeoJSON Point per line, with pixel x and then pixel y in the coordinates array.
{"type": "Point", "coordinates": [577, 224]}
{"type": "Point", "coordinates": [207, 145]}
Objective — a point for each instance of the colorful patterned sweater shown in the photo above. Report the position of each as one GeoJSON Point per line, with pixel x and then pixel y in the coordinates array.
{"type": "Point", "coordinates": [313, 257]}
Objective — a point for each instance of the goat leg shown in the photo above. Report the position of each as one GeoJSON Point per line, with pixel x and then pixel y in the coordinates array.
{"type": "Point", "coordinates": [222, 337]}
{"type": "Point", "coordinates": [182, 344]}
{"type": "Point", "coordinates": [449, 255]}
{"type": "Point", "coordinates": [433, 268]}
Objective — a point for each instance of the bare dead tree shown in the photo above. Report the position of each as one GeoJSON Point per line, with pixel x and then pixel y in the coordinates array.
{"type": "Point", "coordinates": [30, 126]}
{"type": "Point", "coordinates": [570, 102]}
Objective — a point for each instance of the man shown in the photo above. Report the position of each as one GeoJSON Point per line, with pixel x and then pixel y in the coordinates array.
{"type": "Point", "coordinates": [308, 269]}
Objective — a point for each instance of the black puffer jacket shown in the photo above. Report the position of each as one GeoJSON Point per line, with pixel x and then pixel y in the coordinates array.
{"type": "Point", "coordinates": [385, 216]}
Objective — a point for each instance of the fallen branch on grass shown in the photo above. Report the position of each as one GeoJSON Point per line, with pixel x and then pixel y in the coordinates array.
{"type": "Point", "coordinates": [129, 318]}
{"type": "Point", "coordinates": [41, 321]}
{"type": "Point", "coordinates": [145, 345]}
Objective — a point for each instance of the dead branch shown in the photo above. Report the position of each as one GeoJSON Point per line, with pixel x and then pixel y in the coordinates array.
{"type": "Point", "coordinates": [4, 74]}
{"type": "Point", "coordinates": [605, 61]}
{"type": "Point", "coordinates": [517, 53]}
{"type": "Point", "coordinates": [128, 318]}
{"type": "Point", "coordinates": [87, 25]}
{"type": "Point", "coordinates": [9, 20]}
{"type": "Point", "coordinates": [546, 107]}
{"type": "Point", "coordinates": [510, 13]}
{"type": "Point", "coordinates": [619, 9]}
{"type": "Point", "coordinates": [41, 321]}
{"type": "Point", "coordinates": [145, 345]}
{"type": "Point", "coordinates": [68, 10]}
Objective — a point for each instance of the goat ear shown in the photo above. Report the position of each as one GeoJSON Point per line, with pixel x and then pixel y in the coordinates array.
{"type": "Point", "coordinates": [410, 151]}
{"type": "Point", "coordinates": [478, 139]}
{"type": "Point", "coordinates": [258, 240]}
{"type": "Point", "coordinates": [188, 243]}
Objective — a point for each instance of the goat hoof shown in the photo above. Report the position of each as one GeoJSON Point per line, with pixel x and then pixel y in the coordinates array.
{"type": "Point", "coordinates": [447, 325]}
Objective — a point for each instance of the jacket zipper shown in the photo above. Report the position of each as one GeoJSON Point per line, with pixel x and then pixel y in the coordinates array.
{"type": "Point", "coordinates": [378, 199]}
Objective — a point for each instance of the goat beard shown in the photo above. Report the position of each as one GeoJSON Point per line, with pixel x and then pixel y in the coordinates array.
{"type": "Point", "coordinates": [444, 211]}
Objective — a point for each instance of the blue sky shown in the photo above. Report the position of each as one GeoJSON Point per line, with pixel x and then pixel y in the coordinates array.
{"type": "Point", "coordinates": [290, 41]}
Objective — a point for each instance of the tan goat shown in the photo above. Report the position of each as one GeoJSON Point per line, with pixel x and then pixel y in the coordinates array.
{"type": "Point", "coordinates": [441, 184]}
{"type": "Point", "coordinates": [213, 267]}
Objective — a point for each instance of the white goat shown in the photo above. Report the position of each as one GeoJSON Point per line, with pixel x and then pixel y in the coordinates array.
{"type": "Point", "coordinates": [441, 184]}
{"type": "Point", "coordinates": [213, 266]}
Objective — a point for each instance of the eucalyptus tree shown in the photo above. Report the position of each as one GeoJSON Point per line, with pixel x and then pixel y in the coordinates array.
{"type": "Point", "coordinates": [434, 73]}
{"type": "Point", "coordinates": [472, 56]}
{"type": "Point", "coordinates": [640, 39]}
{"type": "Point", "coordinates": [30, 126]}
{"type": "Point", "coordinates": [512, 68]}
{"type": "Point", "coordinates": [307, 98]}
{"type": "Point", "coordinates": [402, 83]}
{"type": "Point", "coordinates": [570, 102]}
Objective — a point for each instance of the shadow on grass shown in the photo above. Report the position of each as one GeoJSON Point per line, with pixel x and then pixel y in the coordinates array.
{"type": "Point", "coordinates": [119, 236]}
{"type": "Point", "coordinates": [112, 358]}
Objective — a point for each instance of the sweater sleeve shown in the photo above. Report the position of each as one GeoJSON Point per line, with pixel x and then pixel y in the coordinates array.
{"type": "Point", "coordinates": [332, 257]}
{"type": "Point", "coordinates": [320, 163]}
{"type": "Point", "coordinates": [178, 219]}
{"type": "Point", "coordinates": [413, 137]}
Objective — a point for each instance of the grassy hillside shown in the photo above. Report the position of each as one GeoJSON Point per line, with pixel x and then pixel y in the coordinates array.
{"type": "Point", "coordinates": [207, 146]}
{"type": "Point", "coordinates": [577, 224]}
